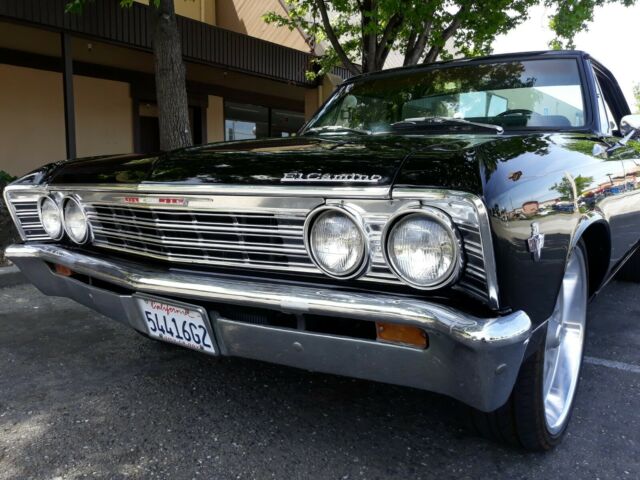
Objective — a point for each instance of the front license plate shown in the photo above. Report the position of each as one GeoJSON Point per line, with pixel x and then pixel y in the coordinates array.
{"type": "Point", "coordinates": [182, 324]}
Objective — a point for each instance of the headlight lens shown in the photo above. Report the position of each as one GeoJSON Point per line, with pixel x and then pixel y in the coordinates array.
{"type": "Point", "coordinates": [75, 221]}
{"type": "Point", "coordinates": [51, 218]}
{"type": "Point", "coordinates": [336, 243]}
{"type": "Point", "coordinates": [422, 250]}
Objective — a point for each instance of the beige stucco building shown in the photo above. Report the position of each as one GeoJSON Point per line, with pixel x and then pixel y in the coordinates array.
{"type": "Point", "coordinates": [245, 78]}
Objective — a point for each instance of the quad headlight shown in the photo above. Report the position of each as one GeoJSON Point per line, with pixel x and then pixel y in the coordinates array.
{"type": "Point", "coordinates": [336, 242]}
{"type": "Point", "coordinates": [51, 218]}
{"type": "Point", "coordinates": [422, 247]}
{"type": "Point", "coordinates": [75, 221]}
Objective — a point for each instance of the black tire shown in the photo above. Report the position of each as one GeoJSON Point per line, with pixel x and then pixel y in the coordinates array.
{"type": "Point", "coordinates": [630, 271]}
{"type": "Point", "coordinates": [521, 420]}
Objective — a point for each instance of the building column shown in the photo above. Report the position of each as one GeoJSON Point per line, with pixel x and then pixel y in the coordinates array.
{"type": "Point", "coordinates": [69, 101]}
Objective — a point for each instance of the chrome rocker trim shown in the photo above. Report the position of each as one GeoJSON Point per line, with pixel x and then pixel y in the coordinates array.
{"type": "Point", "coordinates": [474, 360]}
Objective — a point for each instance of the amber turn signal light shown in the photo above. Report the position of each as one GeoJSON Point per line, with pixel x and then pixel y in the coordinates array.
{"type": "Point", "coordinates": [62, 270]}
{"type": "Point", "coordinates": [402, 334]}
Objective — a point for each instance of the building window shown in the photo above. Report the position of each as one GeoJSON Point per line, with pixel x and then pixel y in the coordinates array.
{"type": "Point", "coordinates": [242, 122]}
{"type": "Point", "coordinates": [284, 122]}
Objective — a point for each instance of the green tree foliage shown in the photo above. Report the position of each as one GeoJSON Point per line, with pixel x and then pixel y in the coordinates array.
{"type": "Point", "coordinates": [636, 96]}
{"type": "Point", "coordinates": [5, 178]}
{"type": "Point", "coordinates": [8, 234]}
{"type": "Point", "coordinates": [362, 33]}
{"type": "Point", "coordinates": [573, 16]}
{"type": "Point", "coordinates": [76, 6]}
{"type": "Point", "coordinates": [565, 188]}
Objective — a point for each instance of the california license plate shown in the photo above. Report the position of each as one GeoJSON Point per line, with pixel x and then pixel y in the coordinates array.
{"type": "Point", "coordinates": [177, 323]}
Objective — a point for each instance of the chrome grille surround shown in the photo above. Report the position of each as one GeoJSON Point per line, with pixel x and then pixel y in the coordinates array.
{"type": "Point", "coordinates": [23, 208]}
{"type": "Point", "coordinates": [239, 227]}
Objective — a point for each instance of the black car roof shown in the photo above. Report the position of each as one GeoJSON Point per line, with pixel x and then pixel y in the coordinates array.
{"type": "Point", "coordinates": [472, 60]}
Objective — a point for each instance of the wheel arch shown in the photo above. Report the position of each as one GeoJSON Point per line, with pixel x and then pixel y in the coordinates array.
{"type": "Point", "coordinates": [595, 233]}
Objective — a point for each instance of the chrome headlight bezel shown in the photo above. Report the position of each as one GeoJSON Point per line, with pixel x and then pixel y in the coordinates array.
{"type": "Point", "coordinates": [434, 214]}
{"type": "Point", "coordinates": [41, 201]}
{"type": "Point", "coordinates": [364, 259]}
{"type": "Point", "coordinates": [87, 235]}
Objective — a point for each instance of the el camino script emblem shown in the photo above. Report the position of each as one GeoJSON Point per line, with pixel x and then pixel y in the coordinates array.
{"type": "Point", "coordinates": [330, 177]}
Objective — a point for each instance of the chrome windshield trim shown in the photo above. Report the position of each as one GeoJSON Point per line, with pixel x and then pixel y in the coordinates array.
{"type": "Point", "coordinates": [430, 195]}
{"type": "Point", "coordinates": [252, 190]}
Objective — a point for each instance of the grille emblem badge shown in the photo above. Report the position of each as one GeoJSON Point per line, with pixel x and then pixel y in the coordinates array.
{"type": "Point", "coordinates": [155, 201]}
{"type": "Point", "coordinates": [536, 242]}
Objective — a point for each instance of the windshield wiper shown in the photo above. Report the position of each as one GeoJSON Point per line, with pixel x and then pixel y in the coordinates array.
{"type": "Point", "coordinates": [336, 129]}
{"type": "Point", "coordinates": [444, 121]}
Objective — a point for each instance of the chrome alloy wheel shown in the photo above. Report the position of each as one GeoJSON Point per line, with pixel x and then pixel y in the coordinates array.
{"type": "Point", "coordinates": [564, 344]}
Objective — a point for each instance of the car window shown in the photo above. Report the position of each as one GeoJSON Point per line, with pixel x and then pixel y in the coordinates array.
{"type": "Point", "coordinates": [603, 117]}
{"type": "Point", "coordinates": [515, 95]}
{"type": "Point", "coordinates": [603, 89]}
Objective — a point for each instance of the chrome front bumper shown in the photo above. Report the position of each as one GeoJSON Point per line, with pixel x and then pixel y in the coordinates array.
{"type": "Point", "coordinates": [475, 360]}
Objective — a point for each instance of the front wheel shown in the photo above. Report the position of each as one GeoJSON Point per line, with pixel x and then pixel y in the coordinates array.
{"type": "Point", "coordinates": [539, 408]}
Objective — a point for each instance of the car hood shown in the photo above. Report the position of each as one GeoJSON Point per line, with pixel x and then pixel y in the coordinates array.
{"type": "Point", "coordinates": [460, 162]}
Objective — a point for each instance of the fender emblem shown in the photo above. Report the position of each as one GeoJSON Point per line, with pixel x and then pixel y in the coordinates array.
{"type": "Point", "coordinates": [330, 177]}
{"type": "Point", "coordinates": [536, 242]}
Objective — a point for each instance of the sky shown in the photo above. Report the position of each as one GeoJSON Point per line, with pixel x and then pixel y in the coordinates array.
{"type": "Point", "coordinates": [612, 39]}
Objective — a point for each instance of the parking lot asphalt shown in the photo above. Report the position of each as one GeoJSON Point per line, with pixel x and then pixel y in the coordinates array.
{"type": "Point", "coordinates": [84, 397]}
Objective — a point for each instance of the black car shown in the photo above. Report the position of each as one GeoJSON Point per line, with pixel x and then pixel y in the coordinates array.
{"type": "Point", "coordinates": [440, 226]}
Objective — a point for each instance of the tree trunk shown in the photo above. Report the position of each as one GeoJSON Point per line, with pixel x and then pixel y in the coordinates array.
{"type": "Point", "coordinates": [171, 88]}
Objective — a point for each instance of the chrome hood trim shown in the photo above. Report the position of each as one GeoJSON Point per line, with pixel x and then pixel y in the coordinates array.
{"type": "Point", "coordinates": [227, 189]}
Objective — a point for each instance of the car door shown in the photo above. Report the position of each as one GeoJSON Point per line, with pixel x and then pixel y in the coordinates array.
{"type": "Point", "coordinates": [624, 218]}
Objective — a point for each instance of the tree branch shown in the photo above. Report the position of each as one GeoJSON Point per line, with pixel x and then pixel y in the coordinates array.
{"type": "Point", "coordinates": [414, 52]}
{"type": "Point", "coordinates": [369, 44]}
{"type": "Point", "coordinates": [386, 41]}
{"type": "Point", "coordinates": [411, 44]}
{"type": "Point", "coordinates": [432, 54]}
{"type": "Point", "coordinates": [447, 33]}
{"type": "Point", "coordinates": [335, 42]}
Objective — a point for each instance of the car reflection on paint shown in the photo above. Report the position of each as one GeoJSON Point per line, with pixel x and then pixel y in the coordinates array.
{"type": "Point", "coordinates": [568, 207]}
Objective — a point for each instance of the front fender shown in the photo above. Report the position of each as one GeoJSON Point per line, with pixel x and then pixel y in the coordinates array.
{"type": "Point", "coordinates": [562, 190]}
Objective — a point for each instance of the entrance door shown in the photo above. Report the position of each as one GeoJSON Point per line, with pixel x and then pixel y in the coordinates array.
{"type": "Point", "coordinates": [150, 127]}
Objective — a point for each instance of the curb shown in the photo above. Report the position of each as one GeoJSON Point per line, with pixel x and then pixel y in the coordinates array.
{"type": "Point", "coordinates": [11, 276]}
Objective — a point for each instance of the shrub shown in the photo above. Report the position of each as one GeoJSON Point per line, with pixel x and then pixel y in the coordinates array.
{"type": "Point", "coordinates": [8, 234]}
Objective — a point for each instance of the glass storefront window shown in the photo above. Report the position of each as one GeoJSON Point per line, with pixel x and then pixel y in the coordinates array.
{"type": "Point", "coordinates": [284, 123]}
{"type": "Point", "coordinates": [243, 122]}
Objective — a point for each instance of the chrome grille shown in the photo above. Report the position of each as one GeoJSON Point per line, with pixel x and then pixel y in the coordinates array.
{"type": "Point", "coordinates": [255, 232]}
{"type": "Point", "coordinates": [473, 279]}
{"type": "Point", "coordinates": [251, 239]}
{"type": "Point", "coordinates": [272, 240]}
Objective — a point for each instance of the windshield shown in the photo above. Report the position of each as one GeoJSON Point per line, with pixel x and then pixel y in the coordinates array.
{"type": "Point", "coordinates": [543, 93]}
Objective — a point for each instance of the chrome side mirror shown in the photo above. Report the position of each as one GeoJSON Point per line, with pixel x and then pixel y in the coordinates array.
{"type": "Point", "coordinates": [630, 126]}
